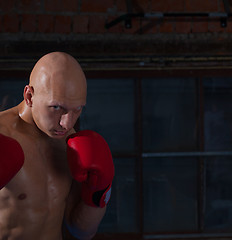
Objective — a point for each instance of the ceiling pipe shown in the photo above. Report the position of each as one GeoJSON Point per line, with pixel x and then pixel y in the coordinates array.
{"type": "Point", "coordinates": [127, 18]}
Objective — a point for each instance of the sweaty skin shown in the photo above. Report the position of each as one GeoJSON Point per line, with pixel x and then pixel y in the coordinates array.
{"type": "Point", "coordinates": [35, 202]}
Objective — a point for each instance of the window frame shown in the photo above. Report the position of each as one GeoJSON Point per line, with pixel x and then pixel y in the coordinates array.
{"type": "Point", "coordinates": [199, 74]}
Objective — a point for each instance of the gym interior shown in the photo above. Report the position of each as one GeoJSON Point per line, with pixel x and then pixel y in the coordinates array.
{"type": "Point", "coordinates": [159, 76]}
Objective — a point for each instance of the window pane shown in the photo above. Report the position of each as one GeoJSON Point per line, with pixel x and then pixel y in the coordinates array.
{"type": "Point", "coordinates": [170, 194]}
{"type": "Point", "coordinates": [218, 114]}
{"type": "Point", "coordinates": [218, 137]}
{"type": "Point", "coordinates": [218, 210]}
{"type": "Point", "coordinates": [110, 111]}
{"type": "Point", "coordinates": [11, 93]}
{"type": "Point", "coordinates": [169, 121]}
{"type": "Point", "coordinates": [122, 213]}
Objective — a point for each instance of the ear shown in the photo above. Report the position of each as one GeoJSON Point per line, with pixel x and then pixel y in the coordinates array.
{"type": "Point", "coordinates": [28, 93]}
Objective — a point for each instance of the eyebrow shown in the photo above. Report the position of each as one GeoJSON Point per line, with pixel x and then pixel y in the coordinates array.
{"type": "Point", "coordinates": [64, 107]}
{"type": "Point", "coordinates": [56, 104]}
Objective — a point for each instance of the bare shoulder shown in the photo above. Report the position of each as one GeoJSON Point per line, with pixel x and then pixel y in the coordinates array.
{"type": "Point", "coordinates": [8, 121]}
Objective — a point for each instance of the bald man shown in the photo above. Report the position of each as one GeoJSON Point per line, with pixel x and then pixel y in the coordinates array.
{"type": "Point", "coordinates": [45, 173]}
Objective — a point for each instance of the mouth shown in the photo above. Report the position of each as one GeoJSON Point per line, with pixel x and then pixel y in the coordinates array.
{"type": "Point", "coordinates": [60, 133]}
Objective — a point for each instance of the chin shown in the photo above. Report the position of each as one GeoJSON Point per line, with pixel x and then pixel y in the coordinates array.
{"type": "Point", "coordinates": [61, 137]}
{"type": "Point", "coordinates": [57, 136]}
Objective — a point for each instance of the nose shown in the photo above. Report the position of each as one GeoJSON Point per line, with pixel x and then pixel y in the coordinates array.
{"type": "Point", "coordinates": [67, 121]}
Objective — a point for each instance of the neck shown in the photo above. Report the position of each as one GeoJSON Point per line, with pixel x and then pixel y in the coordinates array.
{"type": "Point", "coordinates": [28, 123]}
{"type": "Point", "coordinates": [25, 113]}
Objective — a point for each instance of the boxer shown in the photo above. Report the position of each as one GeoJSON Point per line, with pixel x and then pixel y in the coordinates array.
{"type": "Point", "coordinates": [49, 174]}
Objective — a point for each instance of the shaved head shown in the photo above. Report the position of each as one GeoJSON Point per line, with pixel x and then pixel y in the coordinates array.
{"type": "Point", "coordinates": [57, 72]}
{"type": "Point", "coordinates": [55, 95]}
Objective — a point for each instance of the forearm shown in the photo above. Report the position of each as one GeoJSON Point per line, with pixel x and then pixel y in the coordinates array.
{"type": "Point", "coordinates": [84, 221]}
{"type": "Point", "coordinates": [91, 165]}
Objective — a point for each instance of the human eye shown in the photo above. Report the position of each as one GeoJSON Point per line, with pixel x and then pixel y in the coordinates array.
{"type": "Point", "coordinates": [80, 108]}
{"type": "Point", "coordinates": [56, 107]}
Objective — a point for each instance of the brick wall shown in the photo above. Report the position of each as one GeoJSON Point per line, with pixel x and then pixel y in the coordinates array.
{"type": "Point", "coordinates": [88, 16]}
{"type": "Point", "coordinates": [35, 27]}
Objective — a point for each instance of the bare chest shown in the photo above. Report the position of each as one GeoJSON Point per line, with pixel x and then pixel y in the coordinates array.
{"type": "Point", "coordinates": [34, 201]}
{"type": "Point", "coordinates": [44, 178]}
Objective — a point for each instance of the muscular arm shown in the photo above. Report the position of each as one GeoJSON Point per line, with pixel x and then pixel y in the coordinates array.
{"type": "Point", "coordinates": [81, 220]}
{"type": "Point", "coordinates": [91, 166]}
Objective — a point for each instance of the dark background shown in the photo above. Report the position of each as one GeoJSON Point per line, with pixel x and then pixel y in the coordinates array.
{"type": "Point", "coordinates": [159, 91]}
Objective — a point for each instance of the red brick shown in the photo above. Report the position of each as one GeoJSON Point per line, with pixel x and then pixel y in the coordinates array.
{"type": "Point", "coordinates": [147, 26]}
{"type": "Point", "coordinates": [53, 6]}
{"type": "Point", "coordinates": [29, 5]}
{"type": "Point", "coordinates": [80, 24]}
{"type": "Point", "coordinates": [135, 26]}
{"type": "Point", "coordinates": [201, 5]}
{"type": "Point", "coordinates": [63, 24]}
{"type": "Point", "coordinates": [215, 26]}
{"type": "Point", "coordinates": [158, 6]}
{"type": "Point", "coordinates": [199, 26]}
{"type": "Point", "coordinates": [229, 27]}
{"type": "Point", "coordinates": [11, 23]}
{"type": "Point", "coordinates": [167, 6]}
{"type": "Point", "coordinates": [166, 27]}
{"type": "Point", "coordinates": [141, 6]}
{"type": "Point", "coordinates": [97, 24]}
{"type": "Point", "coordinates": [28, 23]}
{"type": "Point", "coordinates": [221, 7]}
{"type": "Point", "coordinates": [121, 6]}
{"type": "Point", "coordinates": [45, 23]}
{"type": "Point", "coordinates": [1, 25]}
{"type": "Point", "coordinates": [7, 6]}
{"type": "Point", "coordinates": [96, 6]}
{"type": "Point", "coordinates": [70, 5]}
{"type": "Point", "coordinates": [183, 26]}
{"type": "Point", "coordinates": [61, 5]}
{"type": "Point", "coordinates": [137, 6]}
{"type": "Point", "coordinates": [118, 28]}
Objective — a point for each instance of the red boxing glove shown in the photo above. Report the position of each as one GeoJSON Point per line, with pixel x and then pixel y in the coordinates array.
{"type": "Point", "coordinates": [12, 159]}
{"type": "Point", "coordinates": [91, 163]}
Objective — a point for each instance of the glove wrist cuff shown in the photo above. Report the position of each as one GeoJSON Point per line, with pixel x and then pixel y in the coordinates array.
{"type": "Point", "coordinates": [96, 198]}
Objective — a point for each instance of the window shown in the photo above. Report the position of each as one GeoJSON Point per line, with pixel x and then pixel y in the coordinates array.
{"type": "Point", "coordinates": [171, 139]}
{"type": "Point", "coordinates": [218, 137]}
{"type": "Point", "coordinates": [11, 92]}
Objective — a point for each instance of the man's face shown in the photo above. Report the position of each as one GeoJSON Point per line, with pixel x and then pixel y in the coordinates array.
{"type": "Point", "coordinates": [56, 94]}
{"type": "Point", "coordinates": [55, 114]}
